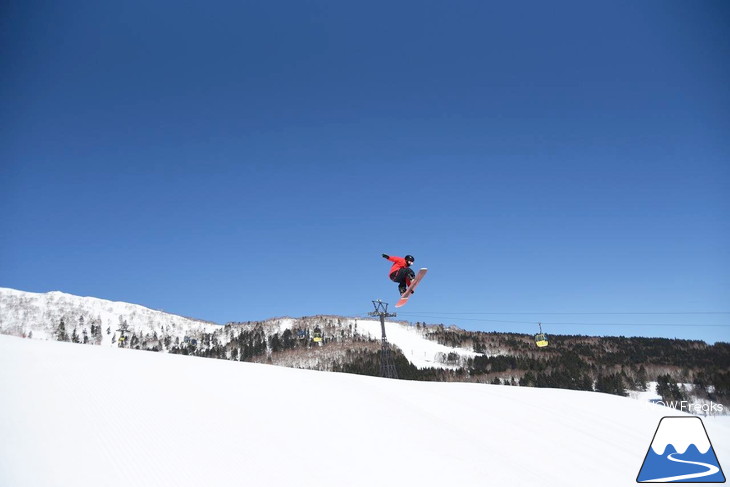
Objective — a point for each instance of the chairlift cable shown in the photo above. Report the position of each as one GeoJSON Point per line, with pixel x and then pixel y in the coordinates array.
{"type": "Point", "coordinates": [523, 322]}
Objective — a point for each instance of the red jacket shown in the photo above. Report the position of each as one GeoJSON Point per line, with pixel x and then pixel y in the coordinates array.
{"type": "Point", "coordinates": [398, 263]}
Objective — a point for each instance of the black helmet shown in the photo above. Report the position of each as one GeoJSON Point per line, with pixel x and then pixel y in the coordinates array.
{"type": "Point", "coordinates": [409, 258]}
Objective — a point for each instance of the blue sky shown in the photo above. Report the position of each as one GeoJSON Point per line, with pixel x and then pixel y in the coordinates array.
{"type": "Point", "coordinates": [562, 162]}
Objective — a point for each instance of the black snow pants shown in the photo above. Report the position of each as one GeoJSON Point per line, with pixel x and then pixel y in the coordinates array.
{"type": "Point", "coordinates": [401, 275]}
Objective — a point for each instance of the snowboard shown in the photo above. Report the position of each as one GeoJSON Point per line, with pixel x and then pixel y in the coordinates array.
{"type": "Point", "coordinates": [404, 298]}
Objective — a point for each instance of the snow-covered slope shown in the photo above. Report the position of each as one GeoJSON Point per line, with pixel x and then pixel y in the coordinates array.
{"type": "Point", "coordinates": [38, 315]}
{"type": "Point", "coordinates": [74, 415]}
{"type": "Point", "coordinates": [420, 351]}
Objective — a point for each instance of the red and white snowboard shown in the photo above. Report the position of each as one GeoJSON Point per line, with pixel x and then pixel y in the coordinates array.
{"type": "Point", "coordinates": [404, 298]}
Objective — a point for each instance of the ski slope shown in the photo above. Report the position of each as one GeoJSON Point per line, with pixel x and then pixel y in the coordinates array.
{"type": "Point", "coordinates": [38, 314]}
{"type": "Point", "coordinates": [419, 350]}
{"type": "Point", "coordinates": [74, 415]}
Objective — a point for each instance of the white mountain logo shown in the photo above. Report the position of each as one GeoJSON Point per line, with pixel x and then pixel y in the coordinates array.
{"type": "Point", "coordinates": [681, 452]}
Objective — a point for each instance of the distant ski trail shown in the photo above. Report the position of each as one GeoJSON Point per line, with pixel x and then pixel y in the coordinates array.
{"type": "Point", "coordinates": [712, 470]}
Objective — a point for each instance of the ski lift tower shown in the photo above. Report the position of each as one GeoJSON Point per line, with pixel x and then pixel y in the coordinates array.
{"type": "Point", "coordinates": [387, 366]}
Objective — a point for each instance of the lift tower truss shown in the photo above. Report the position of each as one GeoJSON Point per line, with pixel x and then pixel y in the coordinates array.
{"type": "Point", "coordinates": [387, 365]}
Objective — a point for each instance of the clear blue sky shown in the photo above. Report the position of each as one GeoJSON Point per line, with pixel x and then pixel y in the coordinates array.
{"type": "Point", "coordinates": [239, 160]}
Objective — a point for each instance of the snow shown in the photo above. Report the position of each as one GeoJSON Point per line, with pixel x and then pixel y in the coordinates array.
{"type": "Point", "coordinates": [648, 395]}
{"type": "Point", "coordinates": [420, 351]}
{"type": "Point", "coordinates": [23, 312]}
{"type": "Point", "coordinates": [76, 415]}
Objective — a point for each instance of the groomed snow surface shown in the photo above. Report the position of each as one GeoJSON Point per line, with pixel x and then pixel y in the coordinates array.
{"type": "Point", "coordinates": [75, 415]}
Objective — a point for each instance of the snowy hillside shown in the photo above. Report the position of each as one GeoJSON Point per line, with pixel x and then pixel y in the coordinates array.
{"type": "Point", "coordinates": [39, 315]}
{"type": "Point", "coordinates": [420, 351]}
{"type": "Point", "coordinates": [74, 415]}
{"type": "Point", "coordinates": [23, 313]}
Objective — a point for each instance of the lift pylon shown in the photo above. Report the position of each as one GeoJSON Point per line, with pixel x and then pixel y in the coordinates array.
{"type": "Point", "coordinates": [387, 365]}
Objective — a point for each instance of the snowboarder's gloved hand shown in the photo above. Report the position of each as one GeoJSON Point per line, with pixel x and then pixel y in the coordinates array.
{"type": "Point", "coordinates": [386, 256]}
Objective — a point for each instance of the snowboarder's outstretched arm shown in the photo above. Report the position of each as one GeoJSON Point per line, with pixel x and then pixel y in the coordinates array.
{"type": "Point", "coordinates": [398, 262]}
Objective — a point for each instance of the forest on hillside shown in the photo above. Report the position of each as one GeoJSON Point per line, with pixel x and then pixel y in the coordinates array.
{"type": "Point", "coordinates": [683, 369]}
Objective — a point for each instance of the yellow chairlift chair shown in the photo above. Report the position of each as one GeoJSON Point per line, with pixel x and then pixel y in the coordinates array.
{"type": "Point", "coordinates": [541, 338]}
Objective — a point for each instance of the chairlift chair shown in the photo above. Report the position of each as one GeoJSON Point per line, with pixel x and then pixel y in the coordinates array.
{"type": "Point", "coordinates": [317, 335]}
{"type": "Point", "coordinates": [541, 338]}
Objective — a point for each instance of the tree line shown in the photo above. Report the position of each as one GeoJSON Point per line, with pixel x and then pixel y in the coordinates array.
{"type": "Point", "coordinates": [612, 365]}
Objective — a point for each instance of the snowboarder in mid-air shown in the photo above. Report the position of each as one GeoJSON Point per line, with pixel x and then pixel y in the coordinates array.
{"type": "Point", "coordinates": [401, 271]}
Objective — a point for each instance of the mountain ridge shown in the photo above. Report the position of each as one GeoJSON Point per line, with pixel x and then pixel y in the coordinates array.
{"type": "Point", "coordinates": [682, 369]}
